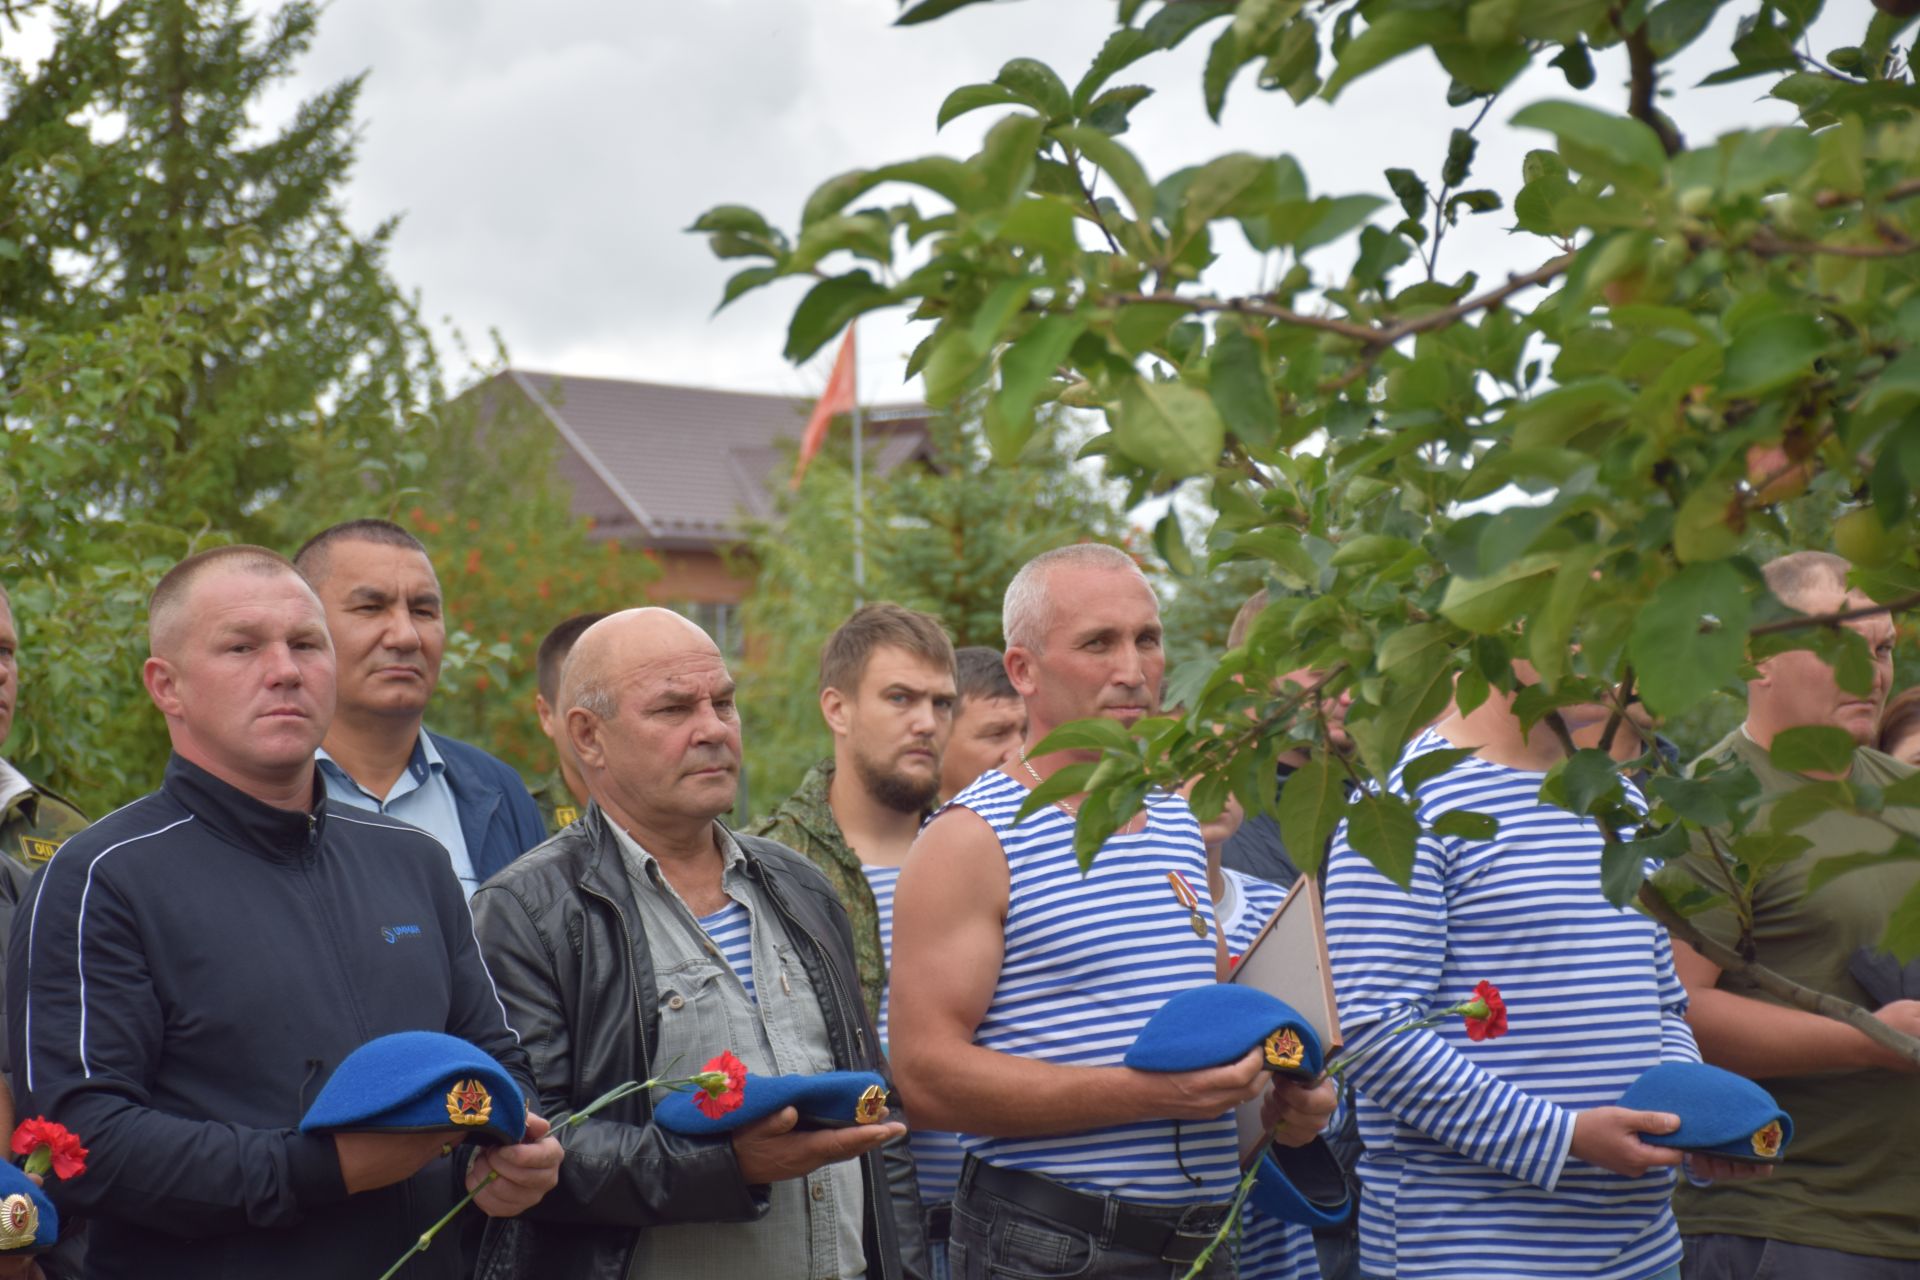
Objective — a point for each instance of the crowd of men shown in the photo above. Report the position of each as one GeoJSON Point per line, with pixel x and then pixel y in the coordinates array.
{"type": "Point", "coordinates": [317, 869]}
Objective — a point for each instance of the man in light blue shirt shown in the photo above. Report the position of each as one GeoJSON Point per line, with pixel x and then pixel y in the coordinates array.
{"type": "Point", "coordinates": [384, 612]}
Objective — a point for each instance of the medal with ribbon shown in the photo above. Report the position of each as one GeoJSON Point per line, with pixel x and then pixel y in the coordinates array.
{"type": "Point", "coordinates": [1190, 900]}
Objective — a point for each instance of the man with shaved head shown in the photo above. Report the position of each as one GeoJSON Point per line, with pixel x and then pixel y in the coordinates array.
{"type": "Point", "coordinates": [200, 961]}
{"type": "Point", "coordinates": [720, 941]}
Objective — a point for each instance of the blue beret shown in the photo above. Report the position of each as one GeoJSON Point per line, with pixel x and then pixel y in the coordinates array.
{"type": "Point", "coordinates": [416, 1081]}
{"type": "Point", "coordinates": [1721, 1114]}
{"type": "Point", "coordinates": [1214, 1025]}
{"type": "Point", "coordinates": [28, 1222]}
{"type": "Point", "coordinates": [1303, 1185]}
{"type": "Point", "coordinates": [830, 1100]}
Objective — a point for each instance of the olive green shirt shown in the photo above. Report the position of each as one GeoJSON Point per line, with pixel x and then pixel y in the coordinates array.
{"type": "Point", "coordinates": [34, 824]}
{"type": "Point", "coordinates": [804, 822]}
{"type": "Point", "coordinates": [1849, 1180]}
{"type": "Point", "coordinates": [558, 808]}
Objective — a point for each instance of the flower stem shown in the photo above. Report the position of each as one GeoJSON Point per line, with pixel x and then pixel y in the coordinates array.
{"type": "Point", "coordinates": [1233, 1216]}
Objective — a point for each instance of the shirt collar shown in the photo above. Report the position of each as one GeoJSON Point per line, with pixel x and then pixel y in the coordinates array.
{"type": "Point", "coordinates": [641, 863]}
{"type": "Point", "coordinates": [426, 761]}
{"type": "Point", "coordinates": [13, 784]}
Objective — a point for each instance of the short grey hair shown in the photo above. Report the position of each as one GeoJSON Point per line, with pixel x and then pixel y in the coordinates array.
{"type": "Point", "coordinates": [1796, 579]}
{"type": "Point", "coordinates": [1026, 612]}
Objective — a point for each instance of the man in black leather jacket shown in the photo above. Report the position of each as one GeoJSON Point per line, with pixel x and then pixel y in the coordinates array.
{"type": "Point", "coordinates": [587, 939]}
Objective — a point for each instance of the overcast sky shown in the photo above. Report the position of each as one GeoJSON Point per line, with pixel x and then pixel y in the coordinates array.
{"type": "Point", "coordinates": [547, 157]}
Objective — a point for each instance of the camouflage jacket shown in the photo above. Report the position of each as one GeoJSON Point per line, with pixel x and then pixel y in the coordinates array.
{"type": "Point", "coordinates": [558, 808]}
{"type": "Point", "coordinates": [804, 822]}
{"type": "Point", "coordinates": [36, 823]}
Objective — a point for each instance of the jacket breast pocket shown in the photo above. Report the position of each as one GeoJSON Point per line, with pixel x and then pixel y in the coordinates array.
{"type": "Point", "coordinates": [697, 1018]}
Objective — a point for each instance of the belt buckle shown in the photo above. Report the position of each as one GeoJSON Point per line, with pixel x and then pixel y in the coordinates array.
{"type": "Point", "coordinates": [1190, 1234]}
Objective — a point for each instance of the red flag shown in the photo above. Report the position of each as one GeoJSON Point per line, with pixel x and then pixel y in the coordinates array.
{"type": "Point", "coordinates": [837, 399]}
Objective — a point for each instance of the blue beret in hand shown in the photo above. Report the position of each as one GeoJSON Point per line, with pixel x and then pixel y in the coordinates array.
{"type": "Point", "coordinates": [1721, 1114]}
{"type": "Point", "coordinates": [28, 1222]}
{"type": "Point", "coordinates": [1214, 1025]}
{"type": "Point", "coordinates": [1303, 1185]}
{"type": "Point", "coordinates": [417, 1081]}
{"type": "Point", "coordinates": [830, 1100]}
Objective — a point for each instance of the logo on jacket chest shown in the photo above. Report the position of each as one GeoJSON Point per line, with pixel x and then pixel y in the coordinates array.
{"type": "Point", "coordinates": [399, 933]}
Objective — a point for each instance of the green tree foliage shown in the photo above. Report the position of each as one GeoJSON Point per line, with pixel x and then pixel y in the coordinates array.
{"type": "Point", "coordinates": [195, 348]}
{"type": "Point", "coordinates": [1703, 330]}
{"type": "Point", "coordinates": [943, 536]}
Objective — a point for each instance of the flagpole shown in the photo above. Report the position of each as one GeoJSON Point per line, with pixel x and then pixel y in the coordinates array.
{"type": "Point", "coordinates": [859, 493]}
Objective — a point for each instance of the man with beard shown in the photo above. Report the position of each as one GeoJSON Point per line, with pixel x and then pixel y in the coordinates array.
{"type": "Point", "coordinates": [887, 695]}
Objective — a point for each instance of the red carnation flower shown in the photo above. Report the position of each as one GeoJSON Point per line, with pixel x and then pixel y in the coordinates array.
{"type": "Point", "coordinates": [722, 1085]}
{"type": "Point", "coordinates": [1486, 1013]}
{"type": "Point", "coordinates": [49, 1146]}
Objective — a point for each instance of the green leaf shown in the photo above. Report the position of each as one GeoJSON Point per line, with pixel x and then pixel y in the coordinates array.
{"type": "Point", "coordinates": [827, 309]}
{"type": "Point", "coordinates": [1383, 829]}
{"type": "Point", "coordinates": [1903, 926]}
{"type": "Point", "coordinates": [1069, 780]}
{"type": "Point", "coordinates": [1224, 59]}
{"type": "Point", "coordinates": [1623, 863]}
{"type": "Point", "coordinates": [1672, 25]}
{"type": "Point", "coordinates": [1429, 765]}
{"type": "Point", "coordinates": [1115, 161]}
{"type": "Point", "coordinates": [1771, 353]}
{"type": "Point", "coordinates": [1027, 368]}
{"type": "Point", "coordinates": [1695, 801]}
{"type": "Point", "coordinates": [1813, 748]}
{"type": "Point", "coordinates": [1393, 35]}
{"type": "Point", "coordinates": [1169, 427]}
{"type": "Point", "coordinates": [1459, 162]}
{"type": "Point", "coordinates": [1094, 734]}
{"type": "Point", "coordinates": [745, 281]}
{"type": "Point", "coordinates": [1466, 824]}
{"type": "Point", "coordinates": [734, 218]}
{"type": "Point", "coordinates": [1312, 801]}
{"type": "Point", "coordinates": [1409, 190]}
{"type": "Point", "coordinates": [1007, 156]}
{"type": "Point", "coordinates": [1802, 805]}
{"type": "Point", "coordinates": [972, 97]}
{"type": "Point", "coordinates": [1335, 217]}
{"type": "Point", "coordinates": [1171, 543]}
{"type": "Point", "coordinates": [1038, 86]}
{"type": "Point", "coordinates": [1762, 851]}
{"type": "Point", "coordinates": [1428, 643]}
{"type": "Point", "coordinates": [1486, 605]}
{"type": "Point", "coordinates": [928, 10]}
{"type": "Point", "coordinates": [1582, 780]}
{"type": "Point", "coordinates": [1108, 112]}
{"type": "Point", "coordinates": [1690, 637]}
{"type": "Point", "coordinates": [1241, 388]}
{"type": "Point", "coordinates": [1123, 48]}
{"type": "Point", "coordinates": [1617, 148]}
{"type": "Point", "coordinates": [1576, 64]}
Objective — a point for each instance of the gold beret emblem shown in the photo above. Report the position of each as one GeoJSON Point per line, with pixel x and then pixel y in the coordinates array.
{"type": "Point", "coordinates": [1284, 1049]}
{"type": "Point", "coordinates": [1766, 1142]}
{"type": "Point", "coordinates": [469, 1103]}
{"type": "Point", "coordinates": [871, 1105]}
{"type": "Point", "coordinates": [19, 1221]}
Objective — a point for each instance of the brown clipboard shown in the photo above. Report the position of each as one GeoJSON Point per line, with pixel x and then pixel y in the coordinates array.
{"type": "Point", "coordinates": [1288, 959]}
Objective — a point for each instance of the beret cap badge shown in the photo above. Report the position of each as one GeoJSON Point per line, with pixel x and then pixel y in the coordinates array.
{"type": "Point", "coordinates": [872, 1103]}
{"type": "Point", "coordinates": [469, 1103]}
{"type": "Point", "coordinates": [19, 1221]}
{"type": "Point", "coordinates": [1767, 1140]}
{"type": "Point", "coordinates": [1284, 1049]}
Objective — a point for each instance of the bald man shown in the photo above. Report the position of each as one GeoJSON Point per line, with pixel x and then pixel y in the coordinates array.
{"type": "Point", "coordinates": [199, 961]}
{"type": "Point", "coordinates": [720, 941]}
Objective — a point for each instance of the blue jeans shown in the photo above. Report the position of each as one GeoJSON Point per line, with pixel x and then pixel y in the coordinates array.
{"type": "Point", "coordinates": [994, 1238]}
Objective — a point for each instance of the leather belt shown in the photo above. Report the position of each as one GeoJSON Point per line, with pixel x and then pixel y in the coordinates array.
{"type": "Point", "coordinates": [1173, 1233]}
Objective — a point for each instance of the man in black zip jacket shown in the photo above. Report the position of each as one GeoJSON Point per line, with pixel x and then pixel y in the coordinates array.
{"type": "Point", "coordinates": [645, 939]}
{"type": "Point", "coordinates": [189, 970]}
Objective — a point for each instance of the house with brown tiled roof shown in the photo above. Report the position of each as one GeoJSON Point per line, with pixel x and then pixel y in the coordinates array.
{"type": "Point", "coordinates": [683, 471]}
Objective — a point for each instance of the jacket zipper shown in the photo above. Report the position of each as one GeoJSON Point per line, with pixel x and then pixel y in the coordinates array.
{"type": "Point", "coordinates": [633, 982]}
{"type": "Point", "coordinates": [881, 1203]}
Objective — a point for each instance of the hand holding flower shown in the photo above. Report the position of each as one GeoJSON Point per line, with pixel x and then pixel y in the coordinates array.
{"type": "Point", "coordinates": [1295, 1113]}
{"type": "Point", "coordinates": [507, 1181]}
